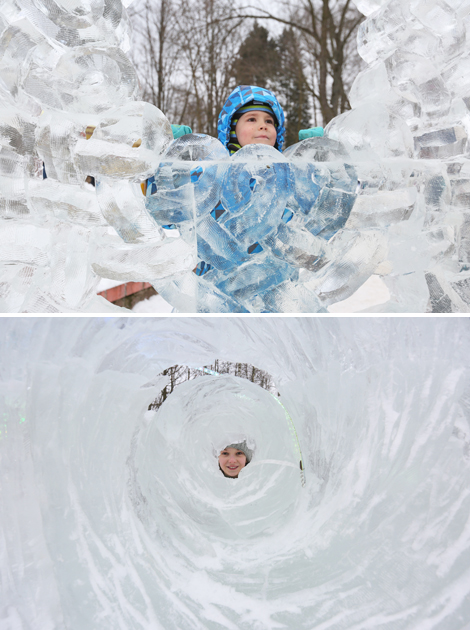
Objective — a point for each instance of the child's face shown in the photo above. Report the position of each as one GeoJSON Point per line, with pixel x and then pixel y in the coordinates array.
{"type": "Point", "coordinates": [256, 128]}
{"type": "Point", "coordinates": [232, 461]}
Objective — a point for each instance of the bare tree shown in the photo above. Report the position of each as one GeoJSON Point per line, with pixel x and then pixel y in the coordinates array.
{"type": "Point", "coordinates": [180, 374]}
{"type": "Point", "coordinates": [328, 29]}
{"type": "Point", "coordinates": [156, 52]}
{"type": "Point", "coordinates": [184, 55]}
{"type": "Point", "coordinates": [210, 37]}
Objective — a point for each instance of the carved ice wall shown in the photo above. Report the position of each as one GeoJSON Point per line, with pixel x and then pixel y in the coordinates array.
{"type": "Point", "coordinates": [115, 517]}
{"type": "Point", "coordinates": [385, 192]}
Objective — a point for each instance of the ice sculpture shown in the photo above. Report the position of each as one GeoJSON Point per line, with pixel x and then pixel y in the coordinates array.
{"type": "Point", "coordinates": [385, 192]}
{"type": "Point", "coordinates": [410, 122]}
{"type": "Point", "coordinates": [262, 220]}
{"type": "Point", "coordinates": [116, 517]}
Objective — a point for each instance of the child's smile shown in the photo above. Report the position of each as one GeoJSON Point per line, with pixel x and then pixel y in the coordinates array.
{"type": "Point", "coordinates": [231, 461]}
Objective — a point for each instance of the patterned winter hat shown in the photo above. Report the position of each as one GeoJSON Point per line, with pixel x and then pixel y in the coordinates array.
{"type": "Point", "coordinates": [244, 95]}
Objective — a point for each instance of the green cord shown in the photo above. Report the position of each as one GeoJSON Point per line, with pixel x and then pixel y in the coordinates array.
{"type": "Point", "coordinates": [295, 438]}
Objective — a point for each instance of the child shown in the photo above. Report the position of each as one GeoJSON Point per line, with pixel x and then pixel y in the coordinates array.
{"type": "Point", "coordinates": [233, 458]}
{"type": "Point", "coordinates": [251, 115]}
{"type": "Point", "coordinates": [241, 209]}
{"type": "Point", "coordinates": [236, 128]}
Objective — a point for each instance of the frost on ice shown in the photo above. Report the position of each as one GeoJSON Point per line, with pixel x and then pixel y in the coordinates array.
{"type": "Point", "coordinates": [385, 192]}
{"type": "Point", "coordinates": [114, 517]}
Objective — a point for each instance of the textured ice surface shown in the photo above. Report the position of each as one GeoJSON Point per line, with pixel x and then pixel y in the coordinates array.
{"type": "Point", "coordinates": [263, 222]}
{"type": "Point", "coordinates": [385, 192]}
{"type": "Point", "coordinates": [116, 517]}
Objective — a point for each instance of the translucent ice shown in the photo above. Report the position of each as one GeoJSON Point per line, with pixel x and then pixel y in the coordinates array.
{"type": "Point", "coordinates": [259, 217]}
{"type": "Point", "coordinates": [113, 516]}
{"type": "Point", "coordinates": [385, 192]}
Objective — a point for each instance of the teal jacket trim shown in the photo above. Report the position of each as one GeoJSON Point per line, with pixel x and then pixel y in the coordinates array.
{"type": "Point", "coordinates": [180, 130]}
{"type": "Point", "coordinates": [314, 132]}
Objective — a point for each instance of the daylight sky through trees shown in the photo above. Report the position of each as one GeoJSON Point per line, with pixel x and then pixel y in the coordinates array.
{"type": "Point", "coordinates": [189, 56]}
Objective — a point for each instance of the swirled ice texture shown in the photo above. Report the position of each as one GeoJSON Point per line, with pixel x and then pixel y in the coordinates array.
{"type": "Point", "coordinates": [116, 517]}
{"type": "Point", "coordinates": [386, 192]}
{"type": "Point", "coordinates": [263, 224]}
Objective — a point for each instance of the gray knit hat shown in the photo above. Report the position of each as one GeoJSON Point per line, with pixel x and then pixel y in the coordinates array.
{"type": "Point", "coordinates": [242, 447]}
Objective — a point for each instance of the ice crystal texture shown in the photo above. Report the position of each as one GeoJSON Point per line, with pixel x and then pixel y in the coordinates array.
{"type": "Point", "coordinates": [116, 517]}
{"type": "Point", "coordinates": [385, 192]}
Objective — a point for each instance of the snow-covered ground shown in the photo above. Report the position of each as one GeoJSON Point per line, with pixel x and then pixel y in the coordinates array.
{"type": "Point", "coordinates": [106, 283]}
{"type": "Point", "coordinates": [371, 293]}
{"type": "Point", "coordinates": [154, 304]}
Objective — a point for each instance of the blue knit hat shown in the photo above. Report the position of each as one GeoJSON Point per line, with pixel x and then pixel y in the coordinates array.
{"type": "Point", "coordinates": [245, 95]}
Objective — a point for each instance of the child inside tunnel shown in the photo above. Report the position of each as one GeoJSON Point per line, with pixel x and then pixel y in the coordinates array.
{"type": "Point", "coordinates": [233, 458]}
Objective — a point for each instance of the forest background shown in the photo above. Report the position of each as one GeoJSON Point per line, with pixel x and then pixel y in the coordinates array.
{"type": "Point", "coordinates": [190, 55]}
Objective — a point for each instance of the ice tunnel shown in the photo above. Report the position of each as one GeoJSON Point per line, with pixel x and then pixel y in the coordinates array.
{"type": "Point", "coordinates": [114, 516]}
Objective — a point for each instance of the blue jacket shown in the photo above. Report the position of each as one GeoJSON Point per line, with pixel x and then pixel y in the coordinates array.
{"type": "Point", "coordinates": [242, 95]}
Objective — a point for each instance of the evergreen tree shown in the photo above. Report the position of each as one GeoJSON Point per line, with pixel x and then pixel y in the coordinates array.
{"type": "Point", "coordinates": [257, 59]}
{"type": "Point", "coordinates": [291, 86]}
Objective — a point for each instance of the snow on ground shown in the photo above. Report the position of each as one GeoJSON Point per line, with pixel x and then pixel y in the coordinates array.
{"type": "Point", "coordinates": [106, 283]}
{"type": "Point", "coordinates": [154, 304]}
{"type": "Point", "coordinates": [371, 293]}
